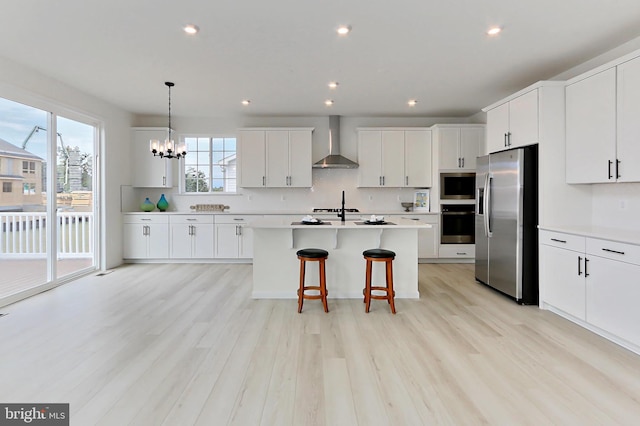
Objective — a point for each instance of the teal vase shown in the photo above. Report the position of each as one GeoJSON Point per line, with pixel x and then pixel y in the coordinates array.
{"type": "Point", "coordinates": [163, 204]}
{"type": "Point", "coordinates": [147, 206]}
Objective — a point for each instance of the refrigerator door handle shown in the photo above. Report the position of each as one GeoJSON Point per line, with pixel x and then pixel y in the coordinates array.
{"type": "Point", "coordinates": [487, 203]}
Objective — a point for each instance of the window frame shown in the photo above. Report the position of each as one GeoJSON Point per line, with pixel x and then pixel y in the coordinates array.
{"type": "Point", "coordinates": [211, 165]}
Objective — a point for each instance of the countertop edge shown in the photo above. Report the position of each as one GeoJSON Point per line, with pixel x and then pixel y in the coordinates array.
{"type": "Point", "coordinates": [617, 235]}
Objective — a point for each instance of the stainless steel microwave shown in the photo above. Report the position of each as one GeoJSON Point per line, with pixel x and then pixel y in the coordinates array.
{"type": "Point", "coordinates": [457, 186]}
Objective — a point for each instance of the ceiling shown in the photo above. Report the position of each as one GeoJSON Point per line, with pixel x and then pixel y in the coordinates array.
{"type": "Point", "coordinates": [281, 54]}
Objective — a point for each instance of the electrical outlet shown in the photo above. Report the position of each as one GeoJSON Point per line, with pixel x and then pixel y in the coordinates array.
{"type": "Point", "coordinates": [623, 204]}
{"type": "Point", "coordinates": [370, 197]}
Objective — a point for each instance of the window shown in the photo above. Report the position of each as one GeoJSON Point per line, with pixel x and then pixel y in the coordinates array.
{"type": "Point", "coordinates": [29, 188]}
{"type": "Point", "coordinates": [210, 165]}
{"type": "Point", "coordinates": [29, 167]}
{"type": "Point", "coordinates": [7, 187]}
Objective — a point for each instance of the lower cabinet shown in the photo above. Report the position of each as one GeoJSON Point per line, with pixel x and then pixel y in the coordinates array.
{"type": "Point", "coordinates": [234, 239]}
{"type": "Point", "coordinates": [457, 251]}
{"type": "Point", "coordinates": [593, 280]}
{"type": "Point", "coordinates": [146, 236]}
{"type": "Point", "coordinates": [428, 238]}
{"type": "Point", "coordinates": [192, 236]}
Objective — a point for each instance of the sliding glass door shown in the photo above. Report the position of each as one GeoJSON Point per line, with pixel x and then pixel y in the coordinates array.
{"type": "Point", "coordinates": [47, 203]}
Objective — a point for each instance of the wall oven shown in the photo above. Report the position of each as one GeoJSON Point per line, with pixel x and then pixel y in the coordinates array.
{"type": "Point", "coordinates": [457, 186]}
{"type": "Point", "coordinates": [458, 224]}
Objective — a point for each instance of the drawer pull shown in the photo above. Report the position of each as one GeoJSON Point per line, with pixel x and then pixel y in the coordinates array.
{"type": "Point", "coordinates": [613, 251]}
{"type": "Point", "coordinates": [559, 241]}
{"type": "Point", "coordinates": [235, 218]}
{"type": "Point", "coordinates": [189, 219]}
{"type": "Point", "coordinates": [461, 254]}
{"type": "Point", "coordinates": [145, 219]}
{"type": "Point", "coordinates": [579, 264]}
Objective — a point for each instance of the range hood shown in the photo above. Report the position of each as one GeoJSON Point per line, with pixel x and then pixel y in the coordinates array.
{"type": "Point", "coordinates": [334, 160]}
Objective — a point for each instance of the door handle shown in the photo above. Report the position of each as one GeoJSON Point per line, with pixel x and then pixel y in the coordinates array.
{"type": "Point", "coordinates": [239, 229]}
{"type": "Point", "coordinates": [505, 139]}
{"type": "Point", "coordinates": [380, 180]}
{"type": "Point", "coordinates": [579, 264]}
{"type": "Point", "coordinates": [609, 172]}
{"type": "Point", "coordinates": [508, 138]}
{"type": "Point", "coordinates": [613, 251]}
{"type": "Point", "coordinates": [618, 169]}
{"type": "Point", "coordinates": [558, 241]}
{"type": "Point", "coordinates": [586, 274]}
{"type": "Point", "coordinates": [264, 180]}
{"type": "Point", "coordinates": [462, 162]}
{"type": "Point", "coordinates": [459, 166]}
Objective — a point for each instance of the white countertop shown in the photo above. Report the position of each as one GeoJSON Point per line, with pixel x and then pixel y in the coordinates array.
{"type": "Point", "coordinates": [395, 223]}
{"type": "Point", "coordinates": [619, 235]}
{"type": "Point", "coordinates": [294, 213]}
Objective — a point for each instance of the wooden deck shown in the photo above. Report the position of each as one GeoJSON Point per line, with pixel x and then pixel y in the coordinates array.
{"type": "Point", "coordinates": [17, 275]}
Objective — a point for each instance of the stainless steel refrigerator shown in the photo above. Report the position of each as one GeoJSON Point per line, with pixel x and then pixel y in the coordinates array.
{"type": "Point", "coordinates": [506, 223]}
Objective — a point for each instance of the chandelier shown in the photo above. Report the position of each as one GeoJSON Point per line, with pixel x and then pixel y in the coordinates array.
{"type": "Point", "coordinates": [168, 148]}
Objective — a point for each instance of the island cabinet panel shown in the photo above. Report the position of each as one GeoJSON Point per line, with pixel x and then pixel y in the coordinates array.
{"type": "Point", "coordinates": [149, 171]}
{"type": "Point", "coordinates": [274, 157]}
{"type": "Point", "coordinates": [146, 237]}
{"type": "Point", "coordinates": [394, 157]}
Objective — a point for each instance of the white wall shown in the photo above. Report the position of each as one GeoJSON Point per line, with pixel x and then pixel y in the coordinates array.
{"type": "Point", "coordinates": [23, 85]}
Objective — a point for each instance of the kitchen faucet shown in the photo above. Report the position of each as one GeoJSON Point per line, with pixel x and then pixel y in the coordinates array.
{"type": "Point", "coordinates": [341, 215]}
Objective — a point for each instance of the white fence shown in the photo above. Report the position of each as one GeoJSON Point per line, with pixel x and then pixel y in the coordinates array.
{"type": "Point", "coordinates": [24, 234]}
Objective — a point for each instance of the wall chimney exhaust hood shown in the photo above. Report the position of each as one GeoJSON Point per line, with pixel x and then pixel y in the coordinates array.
{"type": "Point", "coordinates": [334, 160]}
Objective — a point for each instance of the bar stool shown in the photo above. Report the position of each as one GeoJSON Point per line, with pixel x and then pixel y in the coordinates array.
{"type": "Point", "coordinates": [379, 255]}
{"type": "Point", "coordinates": [312, 255]}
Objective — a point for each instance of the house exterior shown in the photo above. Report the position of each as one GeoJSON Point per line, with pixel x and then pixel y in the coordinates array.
{"type": "Point", "coordinates": [21, 179]}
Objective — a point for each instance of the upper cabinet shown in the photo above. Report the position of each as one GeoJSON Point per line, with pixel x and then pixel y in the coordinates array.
{"type": "Point", "coordinates": [514, 123]}
{"type": "Point", "coordinates": [458, 146]}
{"type": "Point", "coordinates": [394, 157]}
{"type": "Point", "coordinates": [274, 157]}
{"type": "Point", "coordinates": [149, 171]}
{"type": "Point", "coordinates": [602, 125]}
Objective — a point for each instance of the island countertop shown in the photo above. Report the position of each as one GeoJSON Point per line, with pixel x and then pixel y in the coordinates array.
{"type": "Point", "coordinates": [280, 223]}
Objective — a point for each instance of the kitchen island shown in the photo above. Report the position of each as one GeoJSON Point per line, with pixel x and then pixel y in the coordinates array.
{"type": "Point", "coordinates": [276, 267]}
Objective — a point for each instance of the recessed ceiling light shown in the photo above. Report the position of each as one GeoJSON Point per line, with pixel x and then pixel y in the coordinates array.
{"type": "Point", "coordinates": [191, 29]}
{"type": "Point", "coordinates": [333, 84]}
{"type": "Point", "coordinates": [412, 102]}
{"type": "Point", "coordinates": [328, 102]}
{"type": "Point", "coordinates": [246, 102]}
{"type": "Point", "coordinates": [344, 29]}
{"type": "Point", "coordinates": [494, 31]}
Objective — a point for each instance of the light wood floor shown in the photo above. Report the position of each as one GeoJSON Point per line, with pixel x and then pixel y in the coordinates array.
{"type": "Point", "coordinates": [185, 345]}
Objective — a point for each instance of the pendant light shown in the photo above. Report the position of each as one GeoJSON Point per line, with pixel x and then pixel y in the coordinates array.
{"type": "Point", "coordinates": [168, 149]}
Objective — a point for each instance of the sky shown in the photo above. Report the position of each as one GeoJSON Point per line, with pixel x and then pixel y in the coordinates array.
{"type": "Point", "coordinates": [18, 120]}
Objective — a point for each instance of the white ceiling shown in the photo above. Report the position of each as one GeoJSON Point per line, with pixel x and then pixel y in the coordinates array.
{"type": "Point", "coordinates": [282, 53]}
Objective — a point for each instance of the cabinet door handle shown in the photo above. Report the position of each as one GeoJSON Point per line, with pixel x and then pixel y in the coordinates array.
{"type": "Point", "coordinates": [559, 241]}
{"type": "Point", "coordinates": [505, 139]}
{"type": "Point", "coordinates": [618, 169]}
{"type": "Point", "coordinates": [164, 180]}
{"type": "Point", "coordinates": [579, 265]}
{"type": "Point", "coordinates": [382, 180]}
{"type": "Point", "coordinates": [585, 267]}
{"type": "Point", "coordinates": [613, 251]}
{"type": "Point", "coordinates": [264, 180]}
{"type": "Point", "coordinates": [609, 169]}
{"type": "Point", "coordinates": [508, 138]}
{"type": "Point", "coordinates": [406, 180]}
{"type": "Point", "coordinates": [239, 229]}
{"type": "Point", "coordinates": [462, 162]}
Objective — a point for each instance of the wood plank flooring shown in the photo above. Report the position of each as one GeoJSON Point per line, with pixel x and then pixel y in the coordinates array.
{"type": "Point", "coordinates": [186, 345]}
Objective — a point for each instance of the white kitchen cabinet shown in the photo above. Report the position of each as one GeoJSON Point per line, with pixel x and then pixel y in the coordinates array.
{"type": "Point", "coordinates": [457, 251]}
{"type": "Point", "coordinates": [591, 128]}
{"type": "Point", "coordinates": [145, 236]}
{"type": "Point", "coordinates": [603, 131]}
{"type": "Point", "coordinates": [233, 238]}
{"type": "Point", "coordinates": [149, 171]}
{"type": "Point", "coordinates": [514, 123]}
{"type": "Point", "coordinates": [562, 272]}
{"type": "Point", "coordinates": [394, 158]}
{"type": "Point", "coordinates": [628, 124]}
{"type": "Point", "coordinates": [458, 146]}
{"type": "Point", "coordinates": [192, 236]}
{"type": "Point", "coordinates": [276, 158]}
{"type": "Point", "coordinates": [613, 288]}
{"type": "Point", "coordinates": [593, 282]}
{"type": "Point", "coordinates": [251, 151]}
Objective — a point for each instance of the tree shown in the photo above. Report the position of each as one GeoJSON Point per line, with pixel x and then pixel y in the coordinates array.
{"type": "Point", "coordinates": [195, 181]}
